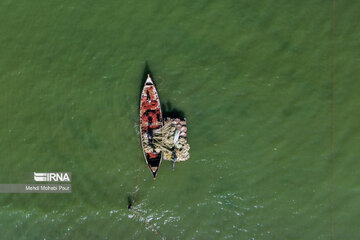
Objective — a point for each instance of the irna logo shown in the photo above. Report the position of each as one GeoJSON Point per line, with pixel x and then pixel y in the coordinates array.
{"type": "Point", "coordinates": [52, 177]}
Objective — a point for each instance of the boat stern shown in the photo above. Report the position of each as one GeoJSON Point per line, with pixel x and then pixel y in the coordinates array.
{"type": "Point", "coordinates": [154, 171]}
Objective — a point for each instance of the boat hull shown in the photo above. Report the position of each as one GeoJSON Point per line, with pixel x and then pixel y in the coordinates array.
{"type": "Point", "coordinates": [150, 120]}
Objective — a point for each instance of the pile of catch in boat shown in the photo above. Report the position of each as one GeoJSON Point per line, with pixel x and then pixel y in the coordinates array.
{"type": "Point", "coordinates": [160, 139]}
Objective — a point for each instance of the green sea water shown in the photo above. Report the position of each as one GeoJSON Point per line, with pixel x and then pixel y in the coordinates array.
{"type": "Point", "coordinates": [254, 80]}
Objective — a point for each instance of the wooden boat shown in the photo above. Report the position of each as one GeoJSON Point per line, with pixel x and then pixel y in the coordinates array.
{"type": "Point", "coordinates": [150, 120]}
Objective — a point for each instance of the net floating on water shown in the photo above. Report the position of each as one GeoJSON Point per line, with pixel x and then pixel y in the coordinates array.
{"type": "Point", "coordinates": [171, 140]}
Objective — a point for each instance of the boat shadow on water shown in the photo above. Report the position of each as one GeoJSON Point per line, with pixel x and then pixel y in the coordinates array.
{"type": "Point", "coordinates": [171, 112]}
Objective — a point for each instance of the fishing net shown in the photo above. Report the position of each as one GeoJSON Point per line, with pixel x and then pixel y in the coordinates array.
{"type": "Point", "coordinates": [171, 140]}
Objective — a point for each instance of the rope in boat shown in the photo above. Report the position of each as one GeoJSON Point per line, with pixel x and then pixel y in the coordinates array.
{"type": "Point", "coordinates": [131, 206]}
